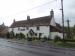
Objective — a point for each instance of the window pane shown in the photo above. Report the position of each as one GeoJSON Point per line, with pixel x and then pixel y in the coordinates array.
{"type": "Point", "coordinates": [38, 28]}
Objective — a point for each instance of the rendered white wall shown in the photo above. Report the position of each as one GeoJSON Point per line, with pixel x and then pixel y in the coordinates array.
{"type": "Point", "coordinates": [43, 29]}
{"type": "Point", "coordinates": [9, 29]}
{"type": "Point", "coordinates": [53, 34]}
{"type": "Point", "coordinates": [52, 22]}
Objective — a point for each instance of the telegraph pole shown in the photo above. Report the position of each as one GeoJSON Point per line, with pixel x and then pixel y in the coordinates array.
{"type": "Point", "coordinates": [68, 31]}
{"type": "Point", "coordinates": [62, 18]}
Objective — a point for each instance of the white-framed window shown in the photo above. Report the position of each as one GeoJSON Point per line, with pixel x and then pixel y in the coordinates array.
{"type": "Point", "coordinates": [18, 28]}
{"type": "Point", "coordinates": [38, 28]}
{"type": "Point", "coordinates": [27, 28]}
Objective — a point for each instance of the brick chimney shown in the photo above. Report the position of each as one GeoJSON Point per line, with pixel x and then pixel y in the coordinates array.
{"type": "Point", "coordinates": [52, 13]}
{"type": "Point", "coordinates": [14, 21]}
{"type": "Point", "coordinates": [28, 18]}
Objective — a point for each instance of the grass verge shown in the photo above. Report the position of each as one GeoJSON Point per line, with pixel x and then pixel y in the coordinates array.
{"type": "Point", "coordinates": [66, 44]}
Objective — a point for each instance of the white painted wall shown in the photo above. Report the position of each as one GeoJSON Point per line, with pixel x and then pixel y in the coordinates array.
{"type": "Point", "coordinates": [9, 29]}
{"type": "Point", "coordinates": [43, 29]}
{"type": "Point", "coordinates": [53, 34]}
{"type": "Point", "coordinates": [52, 22]}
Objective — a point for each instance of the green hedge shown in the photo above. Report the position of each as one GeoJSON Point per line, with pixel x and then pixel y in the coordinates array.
{"type": "Point", "coordinates": [68, 40]}
{"type": "Point", "coordinates": [57, 38]}
{"type": "Point", "coordinates": [65, 40]}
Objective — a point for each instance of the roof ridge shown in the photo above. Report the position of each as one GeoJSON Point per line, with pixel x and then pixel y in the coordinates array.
{"type": "Point", "coordinates": [45, 20]}
{"type": "Point", "coordinates": [32, 18]}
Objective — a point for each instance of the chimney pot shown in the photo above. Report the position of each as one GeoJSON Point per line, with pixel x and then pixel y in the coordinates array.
{"type": "Point", "coordinates": [28, 17]}
{"type": "Point", "coordinates": [52, 13]}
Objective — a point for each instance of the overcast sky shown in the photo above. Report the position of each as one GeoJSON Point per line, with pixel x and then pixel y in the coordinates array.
{"type": "Point", "coordinates": [19, 9]}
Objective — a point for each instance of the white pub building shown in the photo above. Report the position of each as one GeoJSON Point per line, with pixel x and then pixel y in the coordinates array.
{"type": "Point", "coordinates": [41, 26]}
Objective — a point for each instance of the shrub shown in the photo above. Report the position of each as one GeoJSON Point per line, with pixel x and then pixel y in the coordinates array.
{"type": "Point", "coordinates": [44, 39]}
{"type": "Point", "coordinates": [29, 39]}
{"type": "Point", "coordinates": [17, 36]}
{"type": "Point", "coordinates": [8, 35]}
{"type": "Point", "coordinates": [49, 39]}
{"type": "Point", "coordinates": [34, 38]}
{"type": "Point", "coordinates": [12, 35]}
{"type": "Point", "coordinates": [57, 38]}
{"type": "Point", "coordinates": [40, 34]}
{"type": "Point", "coordinates": [22, 36]}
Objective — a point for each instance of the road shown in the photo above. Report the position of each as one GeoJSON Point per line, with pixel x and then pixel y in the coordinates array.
{"type": "Point", "coordinates": [15, 49]}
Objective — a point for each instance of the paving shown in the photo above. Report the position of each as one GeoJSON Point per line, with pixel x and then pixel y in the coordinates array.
{"type": "Point", "coordinates": [15, 48]}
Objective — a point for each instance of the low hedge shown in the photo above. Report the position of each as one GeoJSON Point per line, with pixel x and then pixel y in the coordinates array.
{"type": "Point", "coordinates": [65, 40]}
{"type": "Point", "coordinates": [68, 40]}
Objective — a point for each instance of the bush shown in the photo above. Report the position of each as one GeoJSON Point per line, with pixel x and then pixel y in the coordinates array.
{"type": "Point", "coordinates": [49, 39]}
{"type": "Point", "coordinates": [12, 35]}
{"type": "Point", "coordinates": [40, 34]}
{"type": "Point", "coordinates": [34, 38]}
{"type": "Point", "coordinates": [57, 38]}
{"type": "Point", "coordinates": [8, 35]}
{"type": "Point", "coordinates": [44, 39]}
{"type": "Point", "coordinates": [29, 39]}
{"type": "Point", "coordinates": [22, 36]}
{"type": "Point", "coordinates": [17, 36]}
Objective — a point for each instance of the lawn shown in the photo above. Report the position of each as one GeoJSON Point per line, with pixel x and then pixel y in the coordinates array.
{"type": "Point", "coordinates": [66, 44]}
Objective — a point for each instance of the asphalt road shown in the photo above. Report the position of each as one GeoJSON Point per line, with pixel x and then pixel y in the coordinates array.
{"type": "Point", "coordinates": [15, 49]}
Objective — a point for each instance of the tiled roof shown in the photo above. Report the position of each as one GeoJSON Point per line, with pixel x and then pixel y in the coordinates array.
{"type": "Point", "coordinates": [56, 28]}
{"type": "Point", "coordinates": [32, 22]}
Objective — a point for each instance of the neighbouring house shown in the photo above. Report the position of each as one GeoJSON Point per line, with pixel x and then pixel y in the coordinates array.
{"type": "Point", "coordinates": [3, 30]}
{"type": "Point", "coordinates": [39, 27]}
